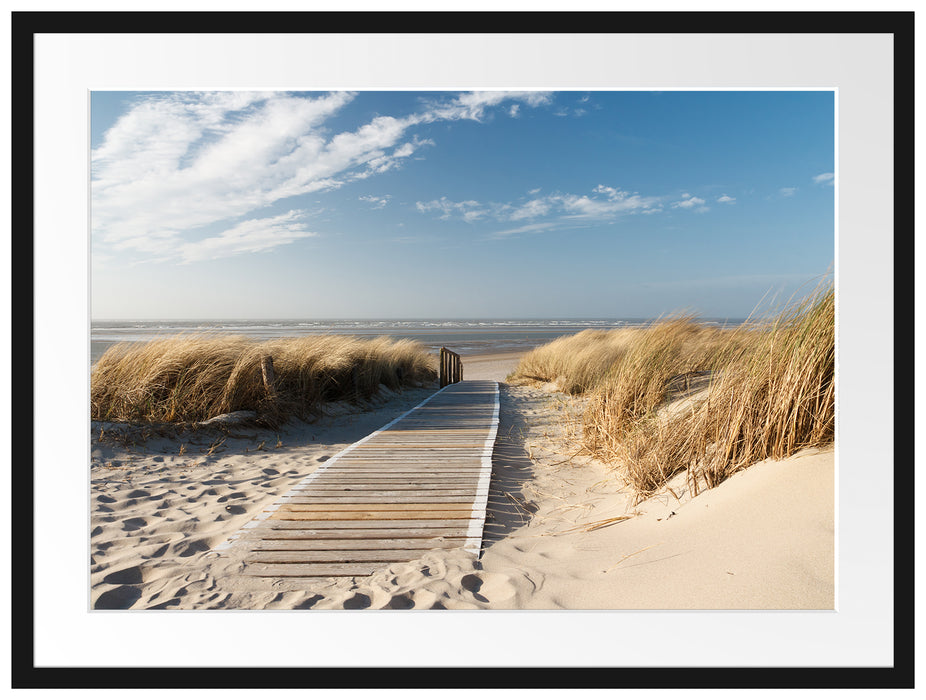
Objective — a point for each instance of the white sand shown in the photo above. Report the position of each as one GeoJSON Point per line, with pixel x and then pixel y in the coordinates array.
{"type": "Point", "coordinates": [763, 539]}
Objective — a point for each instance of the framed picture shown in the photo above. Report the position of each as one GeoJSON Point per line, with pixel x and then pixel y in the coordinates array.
{"type": "Point", "coordinates": [435, 176]}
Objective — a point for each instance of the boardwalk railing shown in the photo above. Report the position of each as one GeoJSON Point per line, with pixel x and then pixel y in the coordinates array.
{"type": "Point", "coordinates": [451, 368]}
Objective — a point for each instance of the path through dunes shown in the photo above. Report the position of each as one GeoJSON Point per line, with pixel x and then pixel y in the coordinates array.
{"type": "Point", "coordinates": [417, 484]}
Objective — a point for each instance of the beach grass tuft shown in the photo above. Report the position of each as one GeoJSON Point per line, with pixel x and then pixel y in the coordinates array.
{"type": "Point", "coordinates": [188, 378]}
{"type": "Point", "coordinates": [680, 396]}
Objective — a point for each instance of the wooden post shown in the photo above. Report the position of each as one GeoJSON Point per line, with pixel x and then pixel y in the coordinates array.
{"type": "Point", "coordinates": [451, 367]}
{"type": "Point", "coordinates": [266, 370]}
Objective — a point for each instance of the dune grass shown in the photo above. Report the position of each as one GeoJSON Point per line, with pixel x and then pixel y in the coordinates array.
{"type": "Point", "coordinates": [769, 390]}
{"type": "Point", "coordinates": [188, 378]}
{"type": "Point", "coordinates": [577, 363]}
{"type": "Point", "coordinates": [631, 367]}
{"type": "Point", "coordinates": [776, 398]}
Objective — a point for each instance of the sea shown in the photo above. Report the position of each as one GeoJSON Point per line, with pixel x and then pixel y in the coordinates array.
{"type": "Point", "coordinates": [463, 336]}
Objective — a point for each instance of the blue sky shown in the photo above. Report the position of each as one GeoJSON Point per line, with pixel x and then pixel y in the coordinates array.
{"type": "Point", "coordinates": [460, 205]}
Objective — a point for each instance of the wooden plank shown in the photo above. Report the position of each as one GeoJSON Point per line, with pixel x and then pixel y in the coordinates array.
{"type": "Point", "coordinates": [384, 489]}
{"type": "Point", "coordinates": [390, 480]}
{"type": "Point", "coordinates": [359, 556]}
{"type": "Point", "coordinates": [382, 497]}
{"type": "Point", "coordinates": [383, 543]}
{"type": "Point", "coordinates": [391, 483]}
{"type": "Point", "coordinates": [372, 533]}
{"type": "Point", "coordinates": [334, 502]}
{"type": "Point", "coordinates": [374, 515]}
{"type": "Point", "coordinates": [412, 465]}
{"type": "Point", "coordinates": [381, 485]}
{"type": "Point", "coordinates": [430, 431]}
{"type": "Point", "coordinates": [346, 507]}
{"type": "Point", "coordinates": [423, 525]}
{"type": "Point", "coordinates": [442, 463]}
{"type": "Point", "coordinates": [310, 570]}
{"type": "Point", "coordinates": [443, 446]}
{"type": "Point", "coordinates": [401, 478]}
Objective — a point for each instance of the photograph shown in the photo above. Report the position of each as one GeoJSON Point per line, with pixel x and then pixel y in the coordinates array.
{"type": "Point", "coordinates": [487, 349]}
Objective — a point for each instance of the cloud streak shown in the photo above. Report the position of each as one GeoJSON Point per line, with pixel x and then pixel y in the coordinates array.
{"type": "Point", "coordinates": [603, 204]}
{"type": "Point", "coordinates": [252, 236]}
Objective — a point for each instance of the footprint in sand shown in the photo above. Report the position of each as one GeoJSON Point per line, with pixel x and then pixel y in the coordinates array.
{"type": "Point", "coordinates": [323, 458]}
{"type": "Point", "coordinates": [401, 602]}
{"type": "Point", "coordinates": [130, 575]}
{"type": "Point", "coordinates": [120, 598]}
{"type": "Point", "coordinates": [270, 472]}
{"type": "Point", "coordinates": [139, 493]}
{"type": "Point", "coordinates": [473, 583]}
{"type": "Point", "coordinates": [235, 510]}
{"type": "Point", "coordinates": [133, 524]}
{"type": "Point", "coordinates": [195, 547]}
{"type": "Point", "coordinates": [496, 585]}
{"type": "Point", "coordinates": [309, 602]}
{"type": "Point", "coordinates": [359, 601]}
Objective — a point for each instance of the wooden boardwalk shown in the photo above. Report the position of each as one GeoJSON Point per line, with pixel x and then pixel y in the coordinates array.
{"type": "Point", "coordinates": [419, 483]}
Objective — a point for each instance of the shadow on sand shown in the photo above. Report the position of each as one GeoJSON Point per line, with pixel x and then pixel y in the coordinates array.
{"type": "Point", "coordinates": [508, 509]}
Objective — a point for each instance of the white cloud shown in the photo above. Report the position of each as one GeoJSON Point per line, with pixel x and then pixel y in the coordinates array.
{"type": "Point", "coordinates": [725, 199]}
{"type": "Point", "coordinates": [825, 178]}
{"type": "Point", "coordinates": [614, 202]}
{"type": "Point", "coordinates": [610, 192]}
{"type": "Point", "coordinates": [376, 202]}
{"type": "Point", "coordinates": [582, 206]}
{"type": "Point", "coordinates": [689, 202]}
{"type": "Point", "coordinates": [528, 228]}
{"type": "Point", "coordinates": [475, 105]}
{"type": "Point", "coordinates": [787, 191]}
{"type": "Point", "coordinates": [252, 236]}
{"type": "Point", "coordinates": [177, 163]}
{"type": "Point", "coordinates": [531, 209]}
{"type": "Point", "coordinates": [513, 110]}
{"type": "Point", "coordinates": [469, 211]}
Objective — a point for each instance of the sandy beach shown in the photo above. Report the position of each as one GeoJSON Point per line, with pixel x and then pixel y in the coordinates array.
{"type": "Point", "coordinates": [562, 532]}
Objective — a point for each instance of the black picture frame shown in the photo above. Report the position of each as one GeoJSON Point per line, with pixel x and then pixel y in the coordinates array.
{"type": "Point", "coordinates": [26, 26]}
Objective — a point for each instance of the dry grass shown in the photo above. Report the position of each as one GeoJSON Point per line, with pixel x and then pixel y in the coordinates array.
{"type": "Point", "coordinates": [766, 390]}
{"type": "Point", "coordinates": [775, 399]}
{"type": "Point", "coordinates": [196, 377]}
{"type": "Point", "coordinates": [577, 363]}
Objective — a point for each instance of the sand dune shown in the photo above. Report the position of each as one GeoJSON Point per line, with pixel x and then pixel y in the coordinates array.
{"type": "Point", "coordinates": [561, 532]}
